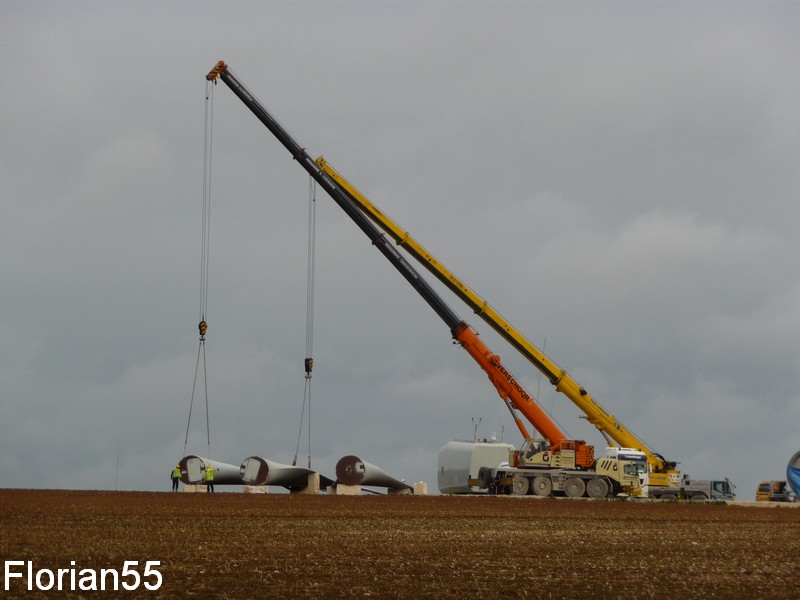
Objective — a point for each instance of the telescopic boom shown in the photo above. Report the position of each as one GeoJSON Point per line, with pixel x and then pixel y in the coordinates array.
{"type": "Point", "coordinates": [563, 382]}
{"type": "Point", "coordinates": [512, 392]}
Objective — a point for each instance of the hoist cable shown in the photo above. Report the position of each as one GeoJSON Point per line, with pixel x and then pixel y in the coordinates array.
{"type": "Point", "coordinates": [204, 263]}
{"type": "Point", "coordinates": [201, 349]}
{"type": "Point", "coordinates": [312, 226]}
{"type": "Point", "coordinates": [302, 420]}
{"type": "Point", "coordinates": [309, 361]}
{"type": "Point", "coordinates": [191, 402]}
{"type": "Point", "coordinates": [206, 241]}
{"type": "Point", "coordinates": [205, 384]}
{"type": "Point", "coordinates": [206, 219]}
{"type": "Point", "coordinates": [308, 387]}
{"type": "Point", "coordinates": [312, 242]}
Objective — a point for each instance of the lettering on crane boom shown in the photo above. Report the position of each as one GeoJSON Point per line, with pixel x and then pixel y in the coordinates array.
{"type": "Point", "coordinates": [513, 382]}
{"type": "Point", "coordinates": [597, 405]}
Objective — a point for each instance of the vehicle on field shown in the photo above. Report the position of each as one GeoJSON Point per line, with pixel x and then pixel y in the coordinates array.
{"type": "Point", "coordinates": [774, 491]}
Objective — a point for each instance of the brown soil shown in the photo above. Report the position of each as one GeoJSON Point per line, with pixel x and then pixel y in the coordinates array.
{"type": "Point", "coordinates": [256, 545]}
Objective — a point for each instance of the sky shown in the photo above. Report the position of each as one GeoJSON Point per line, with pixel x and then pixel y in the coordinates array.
{"type": "Point", "coordinates": [618, 179]}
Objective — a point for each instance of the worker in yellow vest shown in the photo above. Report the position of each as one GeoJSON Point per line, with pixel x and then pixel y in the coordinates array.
{"type": "Point", "coordinates": [176, 477]}
{"type": "Point", "coordinates": [208, 476]}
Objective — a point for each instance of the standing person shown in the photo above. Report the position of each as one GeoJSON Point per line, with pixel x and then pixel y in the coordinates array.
{"type": "Point", "coordinates": [176, 477]}
{"type": "Point", "coordinates": [209, 477]}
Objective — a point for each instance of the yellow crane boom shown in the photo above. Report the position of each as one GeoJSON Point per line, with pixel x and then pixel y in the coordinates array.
{"type": "Point", "coordinates": [594, 411]}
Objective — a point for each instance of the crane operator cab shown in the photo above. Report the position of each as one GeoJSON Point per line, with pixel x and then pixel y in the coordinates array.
{"type": "Point", "coordinates": [532, 446]}
{"type": "Point", "coordinates": [534, 453]}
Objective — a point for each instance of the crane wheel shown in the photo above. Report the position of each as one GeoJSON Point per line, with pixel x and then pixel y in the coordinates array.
{"type": "Point", "coordinates": [574, 487]}
{"type": "Point", "coordinates": [542, 486]}
{"type": "Point", "coordinates": [520, 485]}
{"type": "Point", "coordinates": [597, 488]}
{"type": "Point", "coordinates": [698, 498]}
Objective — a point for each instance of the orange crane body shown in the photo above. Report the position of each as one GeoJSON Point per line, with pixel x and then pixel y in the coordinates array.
{"type": "Point", "coordinates": [512, 391]}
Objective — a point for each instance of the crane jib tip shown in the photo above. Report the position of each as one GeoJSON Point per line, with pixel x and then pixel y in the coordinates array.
{"type": "Point", "coordinates": [216, 71]}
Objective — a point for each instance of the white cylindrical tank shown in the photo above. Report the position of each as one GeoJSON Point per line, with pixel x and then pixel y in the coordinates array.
{"type": "Point", "coordinates": [460, 461]}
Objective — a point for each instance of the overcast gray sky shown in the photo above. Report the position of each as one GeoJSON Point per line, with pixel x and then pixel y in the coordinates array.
{"type": "Point", "coordinates": [618, 179]}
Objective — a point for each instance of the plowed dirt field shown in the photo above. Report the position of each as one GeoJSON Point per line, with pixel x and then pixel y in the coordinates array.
{"type": "Point", "coordinates": [229, 545]}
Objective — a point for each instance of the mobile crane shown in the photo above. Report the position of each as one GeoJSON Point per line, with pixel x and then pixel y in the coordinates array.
{"type": "Point", "coordinates": [662, 472]}
{"type": "Point", "coordinates": [558, 465]}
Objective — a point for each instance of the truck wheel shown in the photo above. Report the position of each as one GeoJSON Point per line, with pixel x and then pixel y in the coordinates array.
{"type": "Point", "coordinates": [574, 487]}
{"type": "Point", "coordinates": [668, 497]}
{"type": "Point", "coordinates": [542, 486]}
{"type": "Point", "coordinates": [519, 485]}
{"type": "Point", "coordinates": [597, 488]}
{"type": "Point", "coordinates": [698, 498]}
